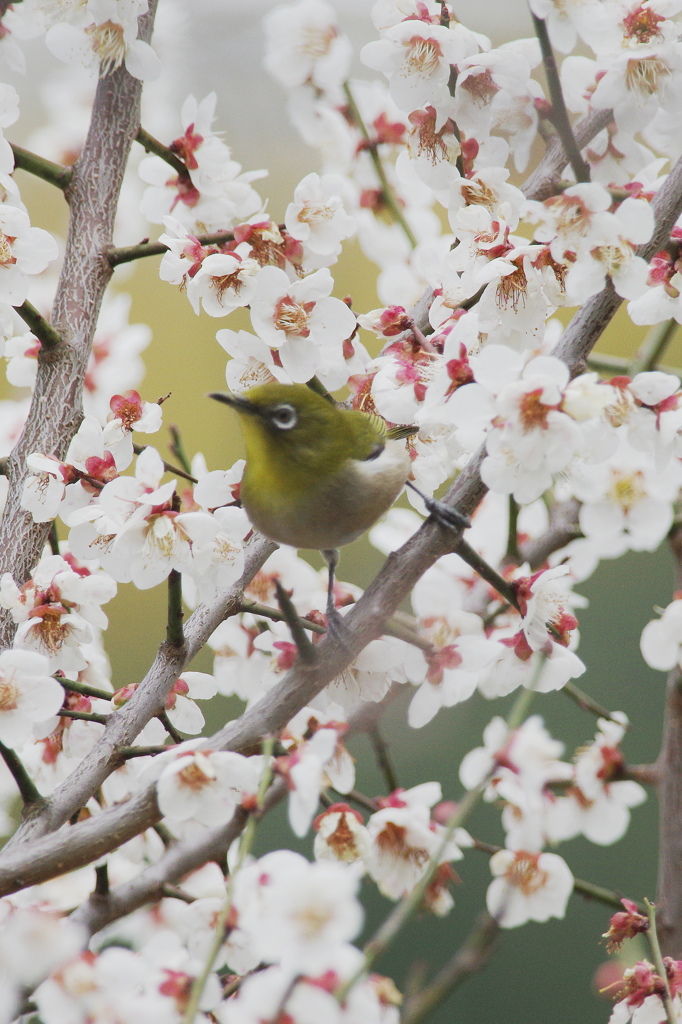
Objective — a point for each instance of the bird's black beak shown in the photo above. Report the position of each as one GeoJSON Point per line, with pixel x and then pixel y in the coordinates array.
{"type": "Point", "coordinates": [236, 401]}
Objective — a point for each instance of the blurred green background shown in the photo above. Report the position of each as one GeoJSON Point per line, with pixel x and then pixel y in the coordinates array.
{"type": "Point", "coordinates": [540, 973]}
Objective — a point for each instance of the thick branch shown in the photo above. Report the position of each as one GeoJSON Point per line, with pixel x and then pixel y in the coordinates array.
{"type": "Point", "coordinates": [56, 407]}
{"type": "Point", "coordinates": [669, 769]}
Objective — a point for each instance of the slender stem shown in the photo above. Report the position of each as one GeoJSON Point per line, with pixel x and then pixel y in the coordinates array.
{"type": "Point", "coordinates": [513, 554]}
{"type": "Point", "coordinates": [393, 627]}
{"type": "Point", "coordinates": [151, 751]}
{"type": "Point", "coordinates": [55, 174]}
{"type": "Point", "coordinates": [411, 903]}
{"type": "Point", "coordinates": [83, 716]}
{"type": "Point", "coordinates": [176, 893]}
{"type": "Point", "coordinates": [387, 193]}
{"type": "Point", "coordinates": [25, 784]}
{"type": "Point", "coordinates": [129, 253]}
{"type": "Point", "coordinates": [382, 755]}
{"type": "Point", "coordinates": [102, 880]}
{"type": "Point", "coordinates": [168, 466]}
{"type": "Point", "coordinates": [245, 844]}
{"type": "Point", "coordinates": [559, 117]}
{"type": "Point", "coordinates": [152, 145]}
{"type": "Point", "coordinates": [42, 328]}
{"type": "Point", "coordinates": [265, 612]}
{"type": "Point", "coordinates": [170, 728]}
{"type": "Point", "coordinates": [584, 701]}
{"type": "Point", "coordinates": [178, 450]}
{"type": "Point", "coordinates": [652, 936]}
{"type": "Point", "coordinates": [653, 346]}
{"type": "Point", "coordinates": [486, 572]}
{"type": "Point", "coordinates": [306, 651]}
{"type": "Point", "coordinates": [471, 957]}
{"type": "Point", "coordinates": [174, 632]}
{"type": "Point", "coordinates": [84, 688]}
{"type": "Point", "coordinates": [53, 538]}
{"type": "Point", "coordinates": [618, 365]}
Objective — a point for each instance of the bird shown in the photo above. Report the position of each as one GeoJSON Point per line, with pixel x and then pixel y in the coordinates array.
{"type": "Point", "coordinates": [317, 476]}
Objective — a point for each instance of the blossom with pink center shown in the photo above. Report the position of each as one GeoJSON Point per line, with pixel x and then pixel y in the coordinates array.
{"type": "Point", "coordinates": [643, 991]}
{"type": "Point", "coordinates": [317, 216]}
{"type": "Point", "coordinates": [24, 251]}
{"type": "Point", "coordinates": [56, 610]}
{"type": "Point", "coordinates": [545, 607]}
{"type": "Point", "coordinates": [528, 753]}
{"type": "Point", "coordinates": [223, 282]}
{"type": "Point", "coordinates": [447, 679]}
{"type": "Point", "coordinates": [341, 835]}
{"type": "Point", "coordinates": [213, 194]}
{"type": "Point", "coordinates": [416, 58]}
{"type": "Point", "coordinates": [129, 413]}
{"type": "Point", "coordinates": [297, 913]}
{"type": "Point", "coordinates": [204, 785]}
{"type": "Point", "coordinates": [625, 500]}
{"type": "Point", "coordinates": [528, 887]}
{"type": "Point", "coordinates": [603, 797]}
{"type": "Point", "coordinates": [103, 37]}
{"type": "Point", "coordinates": [304, 323]}
{"type": "Point", "coordinates": [404, 839]}
{"type": "Point", "coordinates": [28, 694]}
{"type": "Point", "coordinates": [304, 45]}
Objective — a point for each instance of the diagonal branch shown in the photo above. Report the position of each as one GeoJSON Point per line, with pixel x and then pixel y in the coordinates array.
{"type": "Point", "coordinates": [55, 854]}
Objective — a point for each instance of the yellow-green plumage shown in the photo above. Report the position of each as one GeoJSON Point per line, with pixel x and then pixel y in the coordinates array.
{"type": "Point", "coordinates": [322, 481]}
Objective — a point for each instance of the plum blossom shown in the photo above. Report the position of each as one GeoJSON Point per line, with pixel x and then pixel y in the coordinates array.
{"type": "Point", "coordinates": [304, 324]}
{"type": "Point", "coordinates": [223, 282]}
{"type": "Point", "coordinates": [341, 835]}
{"type": "Point", "coordinates": [104, 35]}
{"type": "Point", "coordinates": [642, 994]}
{"type": "Point", "coordinates": [416, 58]}
{"type": "Point", "coordinates": [661, 640]}
{"type": "Point", "coordinates": [404, 839]}
{"type": "Point", "coordinates": [57, 609]}
{"type": "Point", "coordinates": [24, 251]}
{"type": "Point", "coordinates": [204, 785]}
{"type": "Point", "coordinates": [28, 694]}
{"type": "Point", "coordinates": [297, 913]}
{"type": "Point", "coordinates": [214, 193]}
{"type": "Point", "coordinates": [527, 887]}
{"type": "Point", "coordinates": [305, 47]}
{"type": "Point", "coordinates": [317, 216]}
{"type": "Point", "coordinates": [602, 796]}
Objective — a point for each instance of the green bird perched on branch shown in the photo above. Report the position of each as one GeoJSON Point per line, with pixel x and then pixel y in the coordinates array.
{"type": "Point", "coordinates": [318, 476]}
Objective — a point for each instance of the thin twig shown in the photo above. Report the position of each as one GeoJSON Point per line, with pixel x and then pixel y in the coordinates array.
{"type": "Point", "coordinates": [174, 631]}
{"type": "Point", "coordinates": [387, 193]}
{"type": "Point", "coordinates": [653, 346]}
{"type": "Point", "coordinates": [129, 253]}
{"type": "Point", "coordinates": [383, 758]}
{"type": "Point", "coordinates": [306, 651]}
{"type": "Point", "coordinates": [168, 466]}
{"type": "Point", "coordinates": [170, 728]}
{"type": "Point", "coordinates": [42, 328]}
{"type": "Point", "coordinates": [27, 788]}
{"type": "Point", "coordinates": [152, 145]}
{"type": "Point", "coordinates": [559, 116]}
{"type": "Point", "coordinates": [486, 572]}
{"type": "Point", "coordinates": [471, 957]}
{"type": "Point", "coordinates": [587, 703]}
{"type": "Point", "coordinates": [178, 450]}
{"type": "Point", "coordinates": [84, 688]}
{"type": "Point", "coordinates": [83, 716]}
{"type": "Point", "coordinates": [652, 936]}
{"type": "Point", "coordinates": [55, 174]}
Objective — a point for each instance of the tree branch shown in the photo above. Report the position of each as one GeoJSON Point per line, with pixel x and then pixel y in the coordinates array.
{"type": "Point", "coordinates": [56, 405]}
{"type": "Point", "coordinates": [55, 174]}
{"type": "Point", "coordinates": [559, 116]}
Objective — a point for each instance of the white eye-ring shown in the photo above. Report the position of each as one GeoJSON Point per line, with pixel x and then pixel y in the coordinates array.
{"type": "Point", "coordinates": [284, 416]}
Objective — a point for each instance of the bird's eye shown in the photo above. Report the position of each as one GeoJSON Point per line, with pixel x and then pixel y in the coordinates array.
{"type": "Point", "coordinates": [284, 416]}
